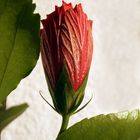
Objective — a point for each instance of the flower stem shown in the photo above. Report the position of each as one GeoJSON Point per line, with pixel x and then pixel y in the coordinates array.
{"type": "Point", "coordinates": [65, 121]}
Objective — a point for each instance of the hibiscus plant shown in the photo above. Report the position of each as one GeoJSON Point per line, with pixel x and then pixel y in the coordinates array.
{"type": "Point", "coordinates": [66, 51]}
{"type": "Point", "coordinates": [66, 46]}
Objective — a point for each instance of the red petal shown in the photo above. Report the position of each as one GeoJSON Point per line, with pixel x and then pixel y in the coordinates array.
{"type": "Point", "coordinates": [77, 45]}
{"type": "Point", "coordinates": [50, 50]}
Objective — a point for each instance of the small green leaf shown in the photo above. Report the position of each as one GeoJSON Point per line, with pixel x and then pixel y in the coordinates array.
{"type": "Point", "coordinates": [120, 126]}
{"type": "Point", "coordinates": [10, 114]}
{"type": "Point", "coordinates": [19, 43]}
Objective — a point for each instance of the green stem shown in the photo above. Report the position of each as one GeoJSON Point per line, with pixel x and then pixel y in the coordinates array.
{"type": "Point", "coordinates": [65, 121]}
{"type": "Point", "coordinates": [2, 109]}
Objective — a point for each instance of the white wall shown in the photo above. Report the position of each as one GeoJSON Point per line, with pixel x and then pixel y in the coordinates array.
{"type": "Point", "coordinates": [114, 77]}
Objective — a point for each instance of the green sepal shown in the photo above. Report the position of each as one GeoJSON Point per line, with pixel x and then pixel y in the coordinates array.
{"type": "Point", "coordinates": [83, 106]}
{"type": "Point", "coordinates": [51, 90]}
{"type": "Point", "coordinates": [79, 95]}
{"type": "Point", "coordinates": [66, 99]}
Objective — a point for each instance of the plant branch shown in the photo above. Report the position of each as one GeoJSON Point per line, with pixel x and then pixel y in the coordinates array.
{"type": "Point", "coordinates": [2, 109]}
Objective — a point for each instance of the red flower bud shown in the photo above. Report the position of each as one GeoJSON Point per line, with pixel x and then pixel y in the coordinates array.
{"type": "Point", "coordinates": [66, 44]}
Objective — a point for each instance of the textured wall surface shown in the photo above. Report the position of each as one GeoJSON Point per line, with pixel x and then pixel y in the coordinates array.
{"type": "Point", "coordinates": [114, 78]}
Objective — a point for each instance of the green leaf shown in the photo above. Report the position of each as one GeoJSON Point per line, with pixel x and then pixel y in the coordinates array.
{"type": "Point", "coordinates": [121, 126]}
{"type": "Point", "coordinates": [10, 114]}
{"type": "Point", "coordinates": [19, 43]}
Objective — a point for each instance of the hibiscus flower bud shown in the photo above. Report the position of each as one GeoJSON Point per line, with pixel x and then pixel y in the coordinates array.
{"type": "Point", "coordinates": [66, 52]}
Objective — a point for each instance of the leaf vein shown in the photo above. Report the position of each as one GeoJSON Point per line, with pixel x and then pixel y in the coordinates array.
{"type": "Point", "coordinates": [13, 44]}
